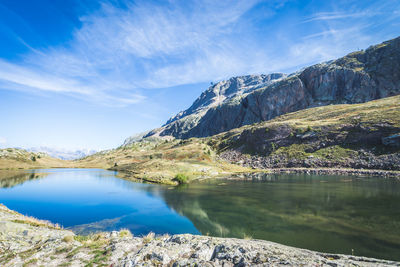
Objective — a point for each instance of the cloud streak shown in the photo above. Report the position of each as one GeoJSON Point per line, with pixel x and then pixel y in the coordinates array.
{"type": "Point", "coordinates": [119, 53]}
{"type": "Point", "coordinates": [323, 16]}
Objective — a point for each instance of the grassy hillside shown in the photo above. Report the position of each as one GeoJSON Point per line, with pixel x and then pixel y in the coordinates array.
{"type": "Point", "coordinates": [336, 136]}
{"type": "Point", "coordinates": [161, 161]}
{"type": "Point", "coordinates": [13, 158]}
{"type": "Point", "coordinates": [358, 136]}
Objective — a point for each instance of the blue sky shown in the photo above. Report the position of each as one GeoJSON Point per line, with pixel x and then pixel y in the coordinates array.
{"type": "Point", "coordinates": [87, 74]}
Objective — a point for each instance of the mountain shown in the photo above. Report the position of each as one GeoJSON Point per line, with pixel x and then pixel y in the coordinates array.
{"type": "Point", "coordinates": [134, 138]}
{"type": "Point", "coordinates": [356, 78]}
{"type": "Point", "coordinates": [63, 153]}
{"type": "Point", "coordinates": [226, 91]}
{"type": "Point", "coordinates": [221, 93]}
{"type": "Point", "coordinates": [362, 139]}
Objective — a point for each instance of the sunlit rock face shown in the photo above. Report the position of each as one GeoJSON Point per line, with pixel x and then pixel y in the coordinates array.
{"type": "Point", "coordinates": [358, 77]}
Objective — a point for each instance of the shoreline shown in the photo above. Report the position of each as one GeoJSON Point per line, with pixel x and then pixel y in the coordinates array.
{"type": "Point", "coordinates": [338, 171]}
{"type": "Point", "coordinates": [129, 175]}
{"type": "Point", "coordinates": [30, 242]}
{"type": "Point", "coordinates": [309, 171]}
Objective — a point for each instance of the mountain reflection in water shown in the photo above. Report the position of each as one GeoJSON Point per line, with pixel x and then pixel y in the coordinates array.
{"type": "Point", "coordinates": [335, 214]}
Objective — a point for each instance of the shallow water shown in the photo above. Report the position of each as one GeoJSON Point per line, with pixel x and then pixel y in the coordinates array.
{"type": "Point", "coordinates": [335, 214]}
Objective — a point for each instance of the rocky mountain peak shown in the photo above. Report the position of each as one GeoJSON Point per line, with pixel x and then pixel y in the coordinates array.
{"type": "Point", "coordinates": [226, 90]}
{"type": "Point", "coordinates": [358, 77]}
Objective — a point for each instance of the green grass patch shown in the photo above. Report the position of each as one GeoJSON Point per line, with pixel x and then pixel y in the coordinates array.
{"type": "Point", "coordinates": [30, 262]}
{"type": "Point", "coordinates": [294, 151]}
{"type": "Point", "coordinates": [62, 250]}
{"type": "Point", "coordinates": [335, 153]}
{"type": "Point", "coordinates": [73, 252]}
{"type": "Point", "coordinates": [181, 178]}
{"type": "Point", "coordinates": [81, 238]}
{"type": "Point", "coordinates": [100, 258]}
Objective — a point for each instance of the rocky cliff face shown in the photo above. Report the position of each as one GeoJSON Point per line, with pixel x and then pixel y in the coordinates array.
{"type": "Point", "coordinates": [221, 93]}
{"type": "Point", "coordinates": [225, 91]}
{"type": "Point", "coordinates": [356, 78]}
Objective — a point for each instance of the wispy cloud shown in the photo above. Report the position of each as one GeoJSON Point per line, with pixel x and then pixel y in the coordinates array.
{"type": "Point", "coordinates": [118, 53]}
{"type": "Point", "coordinates": [338, 15]}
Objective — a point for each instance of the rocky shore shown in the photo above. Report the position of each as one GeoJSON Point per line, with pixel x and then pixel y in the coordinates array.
{"type": "Point", "coordinates": [266, 163]}
{"type": "Point", "coordinates": [25, 241]}
{"type": "Point", "coordinates": [362, 160]}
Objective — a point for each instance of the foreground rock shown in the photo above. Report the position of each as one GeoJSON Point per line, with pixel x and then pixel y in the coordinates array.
{"type": "Point", "coordinates": [26, 241]}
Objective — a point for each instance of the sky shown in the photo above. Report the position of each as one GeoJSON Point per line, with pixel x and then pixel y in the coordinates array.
{"type": "Point", "coordinates": [86, 74]}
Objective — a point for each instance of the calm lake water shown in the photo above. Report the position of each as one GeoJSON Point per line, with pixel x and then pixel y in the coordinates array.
{"type": "Point", "coordinates": [335, 214]}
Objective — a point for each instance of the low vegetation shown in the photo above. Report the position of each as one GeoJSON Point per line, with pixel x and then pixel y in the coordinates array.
{"type": "Point", "coordinates": [328, 136]}
{"type": "Point", "coordinates": [353, 136]}
{"type": "Point", "coordinates": [26, 245]}
{"type": "Point", "coordinates": [14, 158]}
{"type": "Point", "coordinates": [164, 161]}
{"type": "Point", "coordinates": [181, 178]}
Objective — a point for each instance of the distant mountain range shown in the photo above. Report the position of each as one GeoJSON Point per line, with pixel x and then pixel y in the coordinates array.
{"type": "Point", "coordinates": [64, 154]}
{"type": "Point", "coordinates": [358, 77]}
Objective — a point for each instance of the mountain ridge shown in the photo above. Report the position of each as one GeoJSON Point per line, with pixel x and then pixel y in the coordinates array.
{"type": "Point", "coordinates": [358, 77]}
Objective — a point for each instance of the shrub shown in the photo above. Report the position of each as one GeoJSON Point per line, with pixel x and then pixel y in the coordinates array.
{"type": "Point", "coordinates": [247, 237]}
{"type": "Point", "coordinates": [148, 238]}
{"type": "Point", "coordinates": [181, 178]}
{"type": "Point", "coordinates": [68, 238]}
{"type": "Point", "coordinates": [273, 146]}
{"type": "Point", "coordinates": [125, 232]}
{"type": "Point", "coordinates": [33, 158]}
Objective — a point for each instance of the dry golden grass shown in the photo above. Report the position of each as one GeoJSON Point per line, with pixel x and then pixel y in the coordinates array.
{"type": "Point", "coordinates": [378, 111]}
{"type": "Point", "coordinates": [125, 233]}
{"type": "Point", "coordinates": [148, 238]}
{"type": "Point", "coordinates": [37, 223]}
{"type": "Point", "coordinates": [13, 159]}
{"type": "Point", "coordinates": [160, 161]}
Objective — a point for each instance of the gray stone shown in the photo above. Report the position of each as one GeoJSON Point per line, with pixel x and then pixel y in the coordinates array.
{"type": "Point", "coordinates": [393, 140]}
{"type": "Point", "coordinates": [356, 78]}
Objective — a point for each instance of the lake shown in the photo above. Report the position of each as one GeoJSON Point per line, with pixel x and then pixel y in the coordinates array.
{"type": "Point", "coordinates": [336, 214]}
